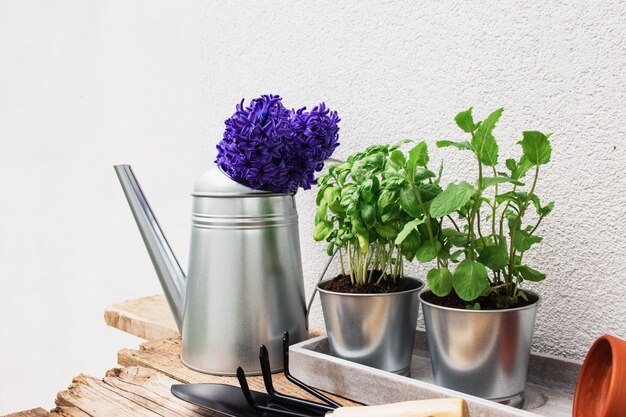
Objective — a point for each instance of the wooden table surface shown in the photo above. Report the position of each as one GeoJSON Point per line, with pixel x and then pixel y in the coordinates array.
{"type": "Point", "coordinates": [141, 386]}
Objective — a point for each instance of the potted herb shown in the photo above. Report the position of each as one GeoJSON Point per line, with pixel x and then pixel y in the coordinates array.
{"type": "Point", "coordinates": [478, 320]}
{"type": "Point", "coordinates": [372, 212]}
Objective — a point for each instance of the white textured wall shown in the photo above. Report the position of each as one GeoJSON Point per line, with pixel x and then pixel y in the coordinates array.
{"type": "Point", "coordinates": [86, 85]}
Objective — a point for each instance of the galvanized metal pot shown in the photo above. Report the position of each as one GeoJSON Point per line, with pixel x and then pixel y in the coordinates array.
{"type": "Point", "coordinates": [377, 330]}
{"type": "Point", "coordinates": [481, 352]}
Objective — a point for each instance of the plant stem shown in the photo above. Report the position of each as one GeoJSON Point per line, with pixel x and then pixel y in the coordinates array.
{"type": "Point", "coordinates": [536, 225]}
{"type": "Point", "coordinates": [470, 233]}
{"type": "Point", "coordinates": [453, 223]}
{"type": "Point", "coordinates": [343, 271]}
{"type": "Point", "coordinates": [518, 220]}
{"type": "Point", "coordinates": [418, 197]}
{"type": "Point", "coordinates": [494, 207]}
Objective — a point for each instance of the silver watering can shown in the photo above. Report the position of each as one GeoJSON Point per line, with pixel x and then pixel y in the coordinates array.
{"type": "Point", "coordinates": [244, 285]}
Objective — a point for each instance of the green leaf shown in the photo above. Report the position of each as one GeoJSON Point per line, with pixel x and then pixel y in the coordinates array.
{"type": "Point", "coordinates": [407, 229]}
{"type": "Point", "coordinates": [330, 249]}
{"type": "Point", "coordinates": [484, 143]}
{"type": "Point", "coordinates": [322, 210]}
{"type": "Point", "coordinates": [466, 146]}
{"type": "Point", "coordinates": [368, 214]}
{"type": "Point", "coordinates": [465, 121]}
{"type": "Point", "coordinates": [429, 191]}
{"type": "Point", "coordinates": [439, 281]}
{"type": "Point", "coordinates": [514, 196]}
{"type": "Point", "coordinates": [322, 230]}
{"type": "Point", "coordinates": [455, 237]}
{"type": "Point", "coordinates": [422, 174]}
{"type": "Point", "coordinates": [518, 170]}
{"type": "Point", "coordinates": [418, 156]}
{"type": "Point", "coordinates": [470, 280]}
{"type": "Point", "coordinates": [386, 198]}
{"type": "Point", "coordinates": [408, 202]}
{"type": "Point", "coordinates": [489, 181]}
{"type": "Point", "coordinates": [542, 211]}
{"type": "Point", "coordinates": [387, 231]}
{"type": "Point", "coordinates": [494, 257]}
{"type": "Point", "coordinates": [451, 199]}
{"type": "Point", "coordinates": [399, 143]}
{"type": "Point", "coordinates": [363, 242]}
{"type": "Point", "coordinates": [522, 241]}
{"type": "Point", "coordinates": [427, 252]}
{"type": "Point", "coordinates": [536, 147]}
{"type": "Point", "coordinates": [530, 274]}
{"type": "Point", "coordinates": [398, 158]}
{"type": "Point", "coordinates": [409, 246]}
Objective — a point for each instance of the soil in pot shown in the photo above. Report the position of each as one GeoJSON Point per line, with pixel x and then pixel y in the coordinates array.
{"type": "Point", "coordinates": [486, 303]}
{"type": "Point", "coordinates": [342, 284]}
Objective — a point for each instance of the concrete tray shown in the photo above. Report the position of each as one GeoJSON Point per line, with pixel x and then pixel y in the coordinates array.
{"type": "Point", "coordinates": [549, 390]}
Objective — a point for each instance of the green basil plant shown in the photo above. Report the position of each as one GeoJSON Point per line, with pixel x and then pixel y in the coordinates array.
{"type": "Point", "coordinates": [487, 218]}
{"type": "Point", "coordinates": [373, 210]}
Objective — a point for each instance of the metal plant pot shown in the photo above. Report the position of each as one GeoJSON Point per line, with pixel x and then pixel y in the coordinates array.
{"type": "Point", "coordinates": [481, 352]}
{"type": "Point", "coordinates": [377, 330]}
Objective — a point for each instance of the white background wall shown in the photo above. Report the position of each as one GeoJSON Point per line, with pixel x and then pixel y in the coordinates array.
{"type": "Point", "coordinates": [84, 85]}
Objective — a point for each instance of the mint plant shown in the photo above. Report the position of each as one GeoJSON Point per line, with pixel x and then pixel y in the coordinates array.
{"type": "Point", "coordinates": [373, 210]}
{"type": "Point", "coordinates": [488, 218]}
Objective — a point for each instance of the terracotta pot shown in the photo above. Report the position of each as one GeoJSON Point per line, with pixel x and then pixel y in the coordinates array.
{"type": "Point", "coordinates": [601, 387]}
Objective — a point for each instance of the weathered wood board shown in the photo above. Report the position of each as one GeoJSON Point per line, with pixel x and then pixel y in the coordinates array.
{"type": "Point", "coordinates": [164, 356]}
{"type": "Point", "coordinates": [130, 391]}
{"type": "Point", "coordinates": [148, 317]}
{"type": "Point", "coordinates": [35, 412]}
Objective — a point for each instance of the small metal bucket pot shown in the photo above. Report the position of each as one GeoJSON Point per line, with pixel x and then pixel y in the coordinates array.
{"type": "Point", "coordinates": [376, 330]}
{"type": "Point", "coordinates": [481, 352]}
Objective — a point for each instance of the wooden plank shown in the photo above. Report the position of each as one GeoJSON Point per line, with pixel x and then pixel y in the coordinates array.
{"type": "Point", "coordinates": [69, 412]}
{"type": "Point", "coordinates": [132, 391]}
{"type": "Point", "coordinates": [164, 356]}
{"type": "Point", "coordinates": [35, 412]}
{"type": "Point", "coordinates": [148, 317]}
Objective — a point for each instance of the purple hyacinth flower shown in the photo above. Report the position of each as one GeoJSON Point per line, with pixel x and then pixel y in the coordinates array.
{"type": "Point", "coordinates": [267, 147]}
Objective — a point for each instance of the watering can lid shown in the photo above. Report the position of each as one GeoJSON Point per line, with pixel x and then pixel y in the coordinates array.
{"type": "Point", "coordinates": [215, 183]}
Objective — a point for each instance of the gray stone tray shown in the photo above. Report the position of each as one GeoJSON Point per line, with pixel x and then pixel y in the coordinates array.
{"type": "Point", "coordinates": [549, 391]}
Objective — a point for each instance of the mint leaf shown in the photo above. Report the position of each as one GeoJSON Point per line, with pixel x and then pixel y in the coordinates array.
{"type": "Point", "coordinates": [522, 241]}
{"type": "Point", "coordinates": [536, 147]}
{"type": "Point", "coordinates": [494, 257]}
{"type": "Point", "coordinates": [470, 280]}
{"type": "Point", "coordinates": [465, 121]}
{"type": "Point", "coordinates": [455, 238]}
{"type": "Point", "coordinates": [459, 145]}
{"type": "Point", "coordinates": [489, 181]}
{"type": "Point", "coordinates": [439, 281]}
{"type": "Point", "coordinates": [530, 274]}
{"type": "Point", "coordinates": [484, 143]}
{"type": "Point", "coordinates": [451, 199]}
{"type": "Point", "coordinates": [407, 229]}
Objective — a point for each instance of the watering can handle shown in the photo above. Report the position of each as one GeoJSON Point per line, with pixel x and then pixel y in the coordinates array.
{"type": "Point", "coordinates": [310, 303]}
{"type": "Point", "coordinates": [308, 307]}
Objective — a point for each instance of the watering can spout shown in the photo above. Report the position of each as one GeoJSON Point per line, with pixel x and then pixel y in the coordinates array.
{"type": "Point", "coordinates": [170, 274]}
